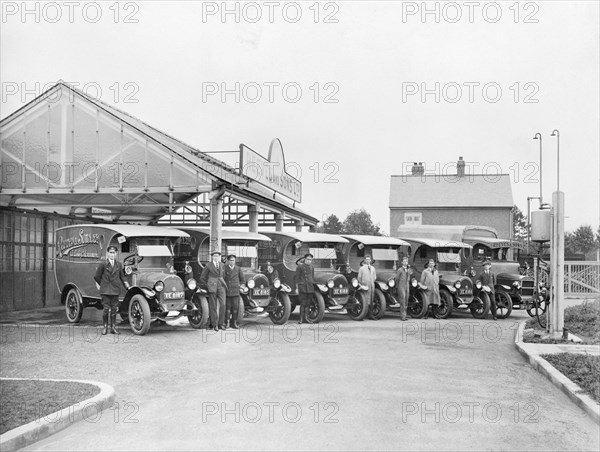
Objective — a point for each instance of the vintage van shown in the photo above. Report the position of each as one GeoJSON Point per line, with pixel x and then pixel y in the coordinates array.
{"type": "Point", "coordinates": [156, 293]}
{"type": "Point", "coordinates": [386, 260]}
{"type": "Point", "coordinates": [513, 290]}
{"type": "Point", "coordinates": [332, 294]}
{"type": "Point", "coordinates": [257, 297]}
{"type": "Point", "coordinates": [456, 289]}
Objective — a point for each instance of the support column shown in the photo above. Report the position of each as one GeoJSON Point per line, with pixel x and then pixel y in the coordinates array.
{"type": "Point", "coordinates": [278, 222]}
{"type": "Point", "coordinates": [299, 224]}
{"type": "Point", "coordinates": [253, 217]}
{"type": "Point", "coordinates": [216, 220]}
{"type": "Point", "coordinates": [557, 322]}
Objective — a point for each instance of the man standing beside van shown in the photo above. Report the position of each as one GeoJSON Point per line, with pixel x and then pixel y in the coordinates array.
{"type": "Point", "coordinates": [234, 279]}
{"type": "Point", "coordinates": [402, 280]}
{"type": "Point", "coordinates": [212, 280]}
{"type": "Point", "coordinates": [488, 279]}
{"type": "Point", "coordinates": [109, 278]}
{"type": "Point", "coordinates": [305, 279]}
{"type": "Point", "coordinates": [366, 277]}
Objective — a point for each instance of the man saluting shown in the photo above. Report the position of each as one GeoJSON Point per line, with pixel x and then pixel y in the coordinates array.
{"type": "Point", "coordinates": [109, 279]}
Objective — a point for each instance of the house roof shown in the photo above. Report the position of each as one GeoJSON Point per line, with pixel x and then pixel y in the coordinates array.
{"type": "Point", "coordinates": [435, 191]}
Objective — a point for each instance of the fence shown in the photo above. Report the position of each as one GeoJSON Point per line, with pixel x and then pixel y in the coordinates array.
{"type": "Point", "coordinates": [582, 278]}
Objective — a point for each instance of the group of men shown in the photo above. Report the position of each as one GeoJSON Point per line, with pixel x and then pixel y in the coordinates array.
{"type": "Point", "coordinates": [223, 281]}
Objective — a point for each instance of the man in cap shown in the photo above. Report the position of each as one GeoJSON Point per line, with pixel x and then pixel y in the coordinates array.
{"type": "Point", "coordinates": [305, 279]}
{"type": "Point", "coordinates": [234, 279]}
{"type": "Point", "coordinates": [212, 281]}
{"type": "Point", "coordinates": [402, 280]}
{"type": "Point", "coordinates": [110, 279]}
{"type": "Point", "coordinates": [488, 279]}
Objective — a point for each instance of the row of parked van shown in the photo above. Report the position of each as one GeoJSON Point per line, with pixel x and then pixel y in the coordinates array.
{"type": "Point", "coordinates": [163, 265]}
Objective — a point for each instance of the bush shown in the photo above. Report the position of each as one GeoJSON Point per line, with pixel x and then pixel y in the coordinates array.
{"type": "Point", "coordinates": [582, 369]}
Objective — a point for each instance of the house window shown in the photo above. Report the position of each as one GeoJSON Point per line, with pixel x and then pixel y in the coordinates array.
{"type": "Point", "coordinates": [412, 218]}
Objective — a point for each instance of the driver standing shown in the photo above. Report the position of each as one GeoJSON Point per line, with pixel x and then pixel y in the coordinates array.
{"type": "Point", "coordinates": [109, 278]}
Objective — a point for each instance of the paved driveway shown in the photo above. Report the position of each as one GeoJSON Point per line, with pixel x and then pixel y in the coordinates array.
{"type": "Point", "coordinates": [457, 384]}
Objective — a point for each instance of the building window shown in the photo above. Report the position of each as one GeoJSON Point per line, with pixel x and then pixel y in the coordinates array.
{"type": "Point", "coordinates": [412, 218]}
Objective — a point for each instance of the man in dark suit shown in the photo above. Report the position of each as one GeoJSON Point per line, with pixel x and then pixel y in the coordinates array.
{"type": "Point", "coordinates": [109, 279]}
{"type": "Point", "coordinates": [305, 278]}
{"type": "Point", "coordinates": [487, 278]}
{"type": "Point", "coordinates": [234, 279]}
{"type": "Point", "coordinates": [212, 280]}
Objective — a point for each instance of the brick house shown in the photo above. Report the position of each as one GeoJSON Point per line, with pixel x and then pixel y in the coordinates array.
{"type": "Point", "coordinates": [451, 199]}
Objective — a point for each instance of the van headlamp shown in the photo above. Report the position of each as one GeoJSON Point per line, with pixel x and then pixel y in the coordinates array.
{"type": "Point", "coordinates": [192, 284]}
{"type": "Point", "coordinates": [251, 283]}
{"type": "Point", "coordinates": [159, 286]}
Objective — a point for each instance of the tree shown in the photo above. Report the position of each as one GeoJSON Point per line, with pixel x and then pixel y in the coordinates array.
{"type": "Point", "coordinates": [584, 240]}
{"type": "Point", "coordinates": [570, 243]}
{"type": "Point", "coordinates": [359, 222]}
{"type": "Point", "coordinates": [332, 225]}
{"type": "Point", "coordinates": [520, 226]}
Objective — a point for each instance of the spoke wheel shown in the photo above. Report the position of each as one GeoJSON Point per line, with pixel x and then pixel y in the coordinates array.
{"type": "Point", "coordinates": [139, 315]}
{"type": "Point", "coordinates": [73, 306]}
{"type": "Point", "coordinates": [417, 307]}
{"type": "Point", "coordinates": [281, 308]}
{"type": "Point", "coordinates": [480, 306]}
{"type": "Point", "coordinates": [444, 309]}
{"type": "Point", "coordinates": [316, 308]}
{"type": "Point", "coordinates": [377, 307]}
{"type": "Point", "coordinates": [357, 307]}
{"type": "Point", "coordinates": [200, 317]}
{"type": "Point", "coordinates": [503, 305]}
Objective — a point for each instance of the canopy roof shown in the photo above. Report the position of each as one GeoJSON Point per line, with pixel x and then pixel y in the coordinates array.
{"type": "Point", "coordinates": [70, 153]}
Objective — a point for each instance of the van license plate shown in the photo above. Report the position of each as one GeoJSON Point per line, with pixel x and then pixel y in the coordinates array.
{"type": "Point", "coordinates": [173, 295]}
{"type": "Point", "coordinates": [261, 292]}
{"type": "Point", "coordinates": [342, 291]}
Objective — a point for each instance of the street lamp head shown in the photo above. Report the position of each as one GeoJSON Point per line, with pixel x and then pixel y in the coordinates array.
{"type": "Point", "coordinates": [555, 133]}
{"type": "Point", "coordinates": [538, 136]}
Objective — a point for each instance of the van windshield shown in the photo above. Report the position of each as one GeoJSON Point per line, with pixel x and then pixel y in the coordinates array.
{"type": "Point", "coordinates": [385, 258]}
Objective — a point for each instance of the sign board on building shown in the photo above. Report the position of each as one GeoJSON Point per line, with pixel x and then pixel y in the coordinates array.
{"type": "Point", "coordinates": [270, 172]}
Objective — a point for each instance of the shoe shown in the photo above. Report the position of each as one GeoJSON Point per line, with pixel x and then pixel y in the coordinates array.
{"type": "Point", "coordinates": [113, 321]}
{"type": "Point", "coordinates": [495, 318]}
{"type": "Point", "coordinates": [105, 330]}
{"type": "Point", "coordinates": [216, 328]}
{"type": "Point", "coordinates": [222, 327]}
{"type": "Point", "coordinates": [404, 319]}
{"type": "Point", "coordinates": [235, 326]}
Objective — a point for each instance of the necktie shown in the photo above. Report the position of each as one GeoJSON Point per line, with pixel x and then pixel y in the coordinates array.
{"type": "Point", "coordinates": [112, 263]}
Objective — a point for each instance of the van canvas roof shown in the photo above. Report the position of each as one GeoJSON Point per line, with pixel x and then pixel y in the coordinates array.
{"type": "Point", "coordinates": [231, 234]}
{"type": "Point", "coordinates": [134, 230]}
{"type": "Point", "coordinates": [310, 236]}
{"type": "Point", "coordinates": [376, 240]}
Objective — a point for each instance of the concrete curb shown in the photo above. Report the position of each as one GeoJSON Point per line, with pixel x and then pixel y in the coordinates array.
{"type": "Point", "coordinates": [39, 429]}
{"type": "Point", "coordinates": [572, 390]}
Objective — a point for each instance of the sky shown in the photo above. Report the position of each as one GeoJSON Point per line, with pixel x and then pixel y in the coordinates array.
{"type": "Point", "coordinates": [356, 91]}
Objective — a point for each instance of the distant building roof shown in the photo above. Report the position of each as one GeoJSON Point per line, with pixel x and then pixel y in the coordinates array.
{"type": "Point", "coordinates": [436, 191]}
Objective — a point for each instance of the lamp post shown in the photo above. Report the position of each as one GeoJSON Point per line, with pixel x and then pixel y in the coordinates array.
{"type": "Point", "coordinates": [556, 133]}
{"type": "Point", "coordinates": [538, 136]}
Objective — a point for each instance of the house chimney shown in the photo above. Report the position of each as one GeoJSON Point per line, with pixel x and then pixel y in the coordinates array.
{"type": "Point", "coordinates": [460, 167]}
{"type": "Point", "coordinates": [418, 169]}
